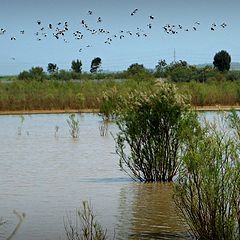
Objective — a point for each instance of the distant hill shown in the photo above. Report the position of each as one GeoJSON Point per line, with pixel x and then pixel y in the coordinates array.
{"type": "Point", "coordinates": [234, 65]}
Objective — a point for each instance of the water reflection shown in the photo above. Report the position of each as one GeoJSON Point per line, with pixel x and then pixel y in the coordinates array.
{"type": "Point", "coordinates": [147, 211]}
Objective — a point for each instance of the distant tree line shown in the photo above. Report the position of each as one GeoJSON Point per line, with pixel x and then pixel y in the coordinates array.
{"type": "Point", "coordinates": [179, 71]}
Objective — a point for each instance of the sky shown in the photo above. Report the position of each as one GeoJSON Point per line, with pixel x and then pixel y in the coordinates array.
{"type": "Point", "coordinates": [153, 44]}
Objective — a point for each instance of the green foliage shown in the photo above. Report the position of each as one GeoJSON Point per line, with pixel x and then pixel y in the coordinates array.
{"type": "Point", "coordinates": [63, 75]}
{"type": "Point", "coordinates": [222, 61]}
{"type": "Point", "coordinates": [95, 65]}
{"type": "Point", "coordinates": [76, 66]}
{"type": "Point", "coordinates": [85, 226]}
{"type": "Point", "coordinates": [135, 69]}
{"type": "Point", "coordinates": [233, 76]}
{"type": "Point", "coordinates": [24, 75]}
{"type": "Point", "coordinates": [234, 123]}
{"type": "Point", "coordinates": [212, 93]}
{"type": "Point", "coordinates": [74, 126]}
{"type": "Point", "coordinates": [160, 68]}
{"type": "Point", "coordinates": [52, 68]}
{"type": "Point", "coordinates": [207, 192]}
{"type": "Point", "coordinates": [153, 126]}
{"type": "Point", "coordinates": [66, 94]}
{"type": "Point", "coordinates": [109, 104]}
{"type": "Point", "coordinates": [35, 73]}
{"type": "Point", "coordinates": [181, 72]}
{"type": "Point", "coordinates": [138, 72]}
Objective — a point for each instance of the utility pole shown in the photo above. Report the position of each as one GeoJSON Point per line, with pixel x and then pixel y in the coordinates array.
{"type": "Point", "coordinates": [174, 56]}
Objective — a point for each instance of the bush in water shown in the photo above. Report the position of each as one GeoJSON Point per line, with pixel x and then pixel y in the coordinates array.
{"type": "Point", "coordinates": [74, 126]}
{"type": "Point", "coordinates": [207, 191]}
{"type": "Point", "coordinates": [84, 227]}
{"type": "Point", "coordinates": [153, 128]}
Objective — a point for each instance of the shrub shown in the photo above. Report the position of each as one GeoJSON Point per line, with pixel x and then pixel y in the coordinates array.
{"type": "Point", "coordinates": [84, 227]}
{"type": "Point", "coordinates": [233, 75]}
{"type": "Point", "coordinates": [207, 192]}
{"type": "Point", "coordinates": [64, 75]}
{"type": "Point", "coordinates": [74, 126]}
{"type": "Point", "coordinates": [35, 73]}
{"type": "Point", "coordinates": [153, 126]}
{"type": "Point", "coordinates": [109, 104]}
{"type": "Point", "coordinates": [138, 72]}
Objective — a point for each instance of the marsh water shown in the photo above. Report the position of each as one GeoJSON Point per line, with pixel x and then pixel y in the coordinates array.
{"type": "Point", "coordinates": [46, 175]}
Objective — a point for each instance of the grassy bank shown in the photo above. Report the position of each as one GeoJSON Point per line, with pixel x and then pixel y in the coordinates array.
{"type": "Point", "coordinates": [56, 95]}
{"type": "Point", "coordinates": [212, 93]}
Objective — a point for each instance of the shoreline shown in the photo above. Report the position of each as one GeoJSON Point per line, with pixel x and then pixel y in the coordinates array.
{"type": "Point", "coordinates": [60, 111]}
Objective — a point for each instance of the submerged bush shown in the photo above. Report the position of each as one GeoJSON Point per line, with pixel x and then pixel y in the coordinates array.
{"type": "Point", "coordinates": [207, 192]}
{"type": "Point", "coordinates": [84, 227]}
{"type": "Point", "coordinates": [153, 127]}
{"type": "Point", "coordinates": [74, 126]}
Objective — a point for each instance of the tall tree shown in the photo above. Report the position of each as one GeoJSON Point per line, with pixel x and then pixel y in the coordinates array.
{"type": "Point", "coordinates": [161, 65]}
{"type": "Point", "coordinates": [52, 68]}
{"type": "Point", "coordinates": [95, 65]}
{"type": "Point", "coordinates": [76, 66]}
{"type": "Point", "coordinates": [136, 68]}
{"type": "Point", "coordinates": [222, 61]}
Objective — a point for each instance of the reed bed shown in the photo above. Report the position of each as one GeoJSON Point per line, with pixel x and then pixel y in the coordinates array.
{"type": "Point", "coordinates": [60, 95]}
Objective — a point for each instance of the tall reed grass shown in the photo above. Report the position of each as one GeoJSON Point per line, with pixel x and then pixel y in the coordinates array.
{"type": "Point", "coordinates": [60, 95]}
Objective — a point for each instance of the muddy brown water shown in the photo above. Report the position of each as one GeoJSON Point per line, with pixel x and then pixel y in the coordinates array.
{"type": "Point", "coordinates": [47, 175]}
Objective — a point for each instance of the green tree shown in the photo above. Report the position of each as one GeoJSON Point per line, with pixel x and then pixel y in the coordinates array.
{"type": "Point", "coordinates": [135, 69]}
{"type": "Point", "coordinates": [95, 64]}
{"type": "Point", "coordinates": [207, 191]}
{"type": "Point", "coordinates": [181, 72]}
{"type": "Point", "coordinates": [160, 68]}
{"type": "Point", "coordinates": [37, 73]}
{"type": "Point", "coordinates": [52, 68]}
{"type": "Point", "coordinates": [138, 72]}
{"type": "Point", "coordinates": [222, 61]}
{"type": "Point", "coordinates": [153, 127]}
{"type": "Point", "coordinates": [76, 66]}
{"type": "Point", "coordinates": [24, 75]}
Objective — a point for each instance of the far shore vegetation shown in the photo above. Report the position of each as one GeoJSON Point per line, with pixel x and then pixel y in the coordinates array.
{"type": "Point", "coordinates": [59, 89]}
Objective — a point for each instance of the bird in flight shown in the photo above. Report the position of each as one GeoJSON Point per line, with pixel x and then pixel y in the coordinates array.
{"type": "Point", "coordinates": [135, 10]}
{"type": "Point", "coordinates": [223, 25]}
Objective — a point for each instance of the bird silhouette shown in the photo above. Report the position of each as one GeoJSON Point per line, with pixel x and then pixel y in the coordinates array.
{"type": "Point", "coordinates": [135, 10]}
{"type": "Point", "coordinates": [223, 25]}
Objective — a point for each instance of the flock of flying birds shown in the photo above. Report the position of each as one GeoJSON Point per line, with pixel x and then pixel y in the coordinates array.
{"type": "Point", "coordinates": [61, 29]}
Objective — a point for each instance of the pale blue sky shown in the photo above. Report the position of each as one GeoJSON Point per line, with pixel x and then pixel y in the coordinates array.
{"type": "Point", "coordinates": [193, 46]}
